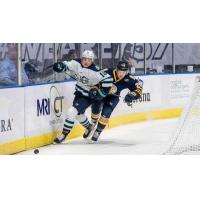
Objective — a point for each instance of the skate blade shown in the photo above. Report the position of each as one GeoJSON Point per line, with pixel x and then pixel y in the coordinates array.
{"type": "Point", "coordinates": [64, 142]}
{"type": "Point", "coordinates": [89, 136]}
{"type": "Point", "coordinates": [92, 141]}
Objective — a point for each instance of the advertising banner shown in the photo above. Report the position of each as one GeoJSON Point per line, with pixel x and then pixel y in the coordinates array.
{"type": "Point", "coordinates": [12, 114]}
{"type": "Point", "coordinates": [179, 88]}
{"type": "Point", "coordinates": [151, 98]}
{"type": "Point", "coordinates": [160, 92]}
{"type": "Point", "coordinates": [46, 106]}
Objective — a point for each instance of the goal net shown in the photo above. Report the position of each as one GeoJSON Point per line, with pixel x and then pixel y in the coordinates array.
{"type": "Point", "coordinates": [186, 138]}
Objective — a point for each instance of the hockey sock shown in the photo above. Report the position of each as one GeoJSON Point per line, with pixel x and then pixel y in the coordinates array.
{"type": "Point", "coordinates": [102, 124]}
{"type": "Point", "coordinates": [95, 118]}
{"type": "Point", "coordinates": [100, 128]}
{"type": "Point", "coordinates": [68, 125]}
{"type": "Point", "coordinates": [85, 123]}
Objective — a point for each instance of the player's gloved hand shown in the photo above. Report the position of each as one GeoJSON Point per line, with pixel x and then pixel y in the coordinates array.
{"type": "Point", "coordinates": [95, 93]}
{"type": "Point", "coordinates": [59, 67]}
{"type": "Point", "coordinates": [129, 98]}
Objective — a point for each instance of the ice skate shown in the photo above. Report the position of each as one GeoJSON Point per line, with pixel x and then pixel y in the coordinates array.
{"type": "Point", "coordinates": [95, 136]}
{"type": "Point", "coordinates": [88, 132]}
{"type": "Point", "coordinates": [60, 138]}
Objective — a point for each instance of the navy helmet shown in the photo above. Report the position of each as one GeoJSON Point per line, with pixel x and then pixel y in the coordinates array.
{"type": "Point", "coordinates": [123, 66]}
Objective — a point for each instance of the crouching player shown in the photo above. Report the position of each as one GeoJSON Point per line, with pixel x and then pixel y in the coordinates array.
{"type": "Point", "coordinates": [122, 80]}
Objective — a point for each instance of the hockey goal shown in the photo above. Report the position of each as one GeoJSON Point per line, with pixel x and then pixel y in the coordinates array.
{"type": "Point", "coordinates": [186, 138]}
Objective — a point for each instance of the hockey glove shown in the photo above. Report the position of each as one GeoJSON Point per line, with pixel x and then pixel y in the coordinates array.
{"type": "Point", "coordinates": [59, 67]}
{"type": "Point", "coordinates": [129, 98]}
{"type": "Point", "coordinates": [96, 94]}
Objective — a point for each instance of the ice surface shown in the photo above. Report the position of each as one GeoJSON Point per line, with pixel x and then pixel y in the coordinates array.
{"type": "Point", "coordinates": [149, 137]}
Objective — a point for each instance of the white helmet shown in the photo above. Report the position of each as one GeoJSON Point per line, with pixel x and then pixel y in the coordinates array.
{"type": "Point", "coordinates": [88, 54]}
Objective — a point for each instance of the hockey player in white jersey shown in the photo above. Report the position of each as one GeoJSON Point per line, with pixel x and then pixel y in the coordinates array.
{"type": "Point", "coordinates": [87, 75]}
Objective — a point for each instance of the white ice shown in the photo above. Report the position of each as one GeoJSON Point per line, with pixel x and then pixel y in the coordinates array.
{"type": "Point", "coordinates": [149, 137]}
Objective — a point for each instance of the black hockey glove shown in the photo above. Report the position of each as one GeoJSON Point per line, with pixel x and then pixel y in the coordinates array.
{"type": "Point", "coordinates": [96, 94]}
{"type": "Point", "coordinates": [59, 67]}
{"type": "Point", "coordinates": [129, 98]}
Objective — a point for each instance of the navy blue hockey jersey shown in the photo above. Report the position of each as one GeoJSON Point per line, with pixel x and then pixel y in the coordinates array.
{"type": "Point", "coordinates": [135, 85]}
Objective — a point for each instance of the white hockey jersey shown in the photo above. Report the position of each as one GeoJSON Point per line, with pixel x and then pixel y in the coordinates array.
{"type": "Point", "coordinates": [87, 77]}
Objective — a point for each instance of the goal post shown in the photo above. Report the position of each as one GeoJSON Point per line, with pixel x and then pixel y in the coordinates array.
{"type": "Point", "coordinates": [186, 138]}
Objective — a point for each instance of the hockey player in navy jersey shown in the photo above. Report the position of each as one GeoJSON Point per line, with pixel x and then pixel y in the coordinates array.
{"type": "Point", "coordinates": [87, 75]}
{"type": "Point", "coordinates": [122, 80]}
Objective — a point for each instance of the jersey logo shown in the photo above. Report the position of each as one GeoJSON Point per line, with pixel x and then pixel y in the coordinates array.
{"type": "Point", "coordinates": [113, 89]}
{"type": "Point", "coordinates": [123, 65]}
{"type": "Point", "coordinates": [84, 80]}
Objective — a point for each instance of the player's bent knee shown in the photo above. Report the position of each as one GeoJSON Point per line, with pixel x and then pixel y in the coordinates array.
{"type": "Point", "coordinates": [72, 113]}
{"type": "Point", "coordinates": [81, 118]}
{"type": "Point", "coordinates": [107, 111]}
{"type": "Point", "coordinates": [96, 108]}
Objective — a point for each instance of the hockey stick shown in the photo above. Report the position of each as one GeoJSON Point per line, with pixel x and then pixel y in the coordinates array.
{"type": "Point", "coordinates": [71, 76]}
{"type": "Point", "coordinates": [66, 73]}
